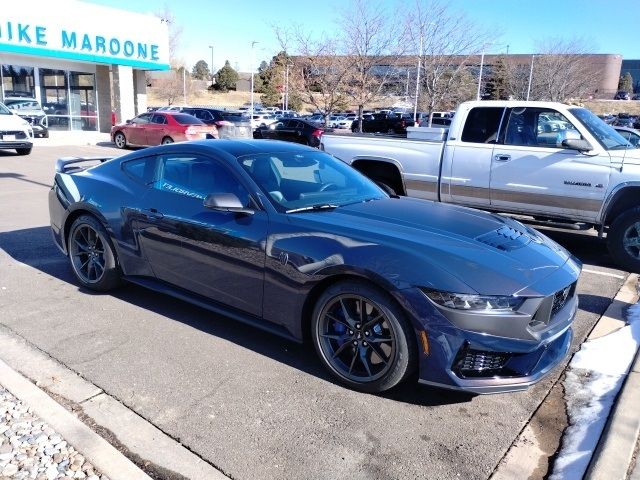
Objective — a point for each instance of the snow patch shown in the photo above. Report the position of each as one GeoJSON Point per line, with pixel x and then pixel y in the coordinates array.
{"type": "Point", "coordinates": [594, 378]}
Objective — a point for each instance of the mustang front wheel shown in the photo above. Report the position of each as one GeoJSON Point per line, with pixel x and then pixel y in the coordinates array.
{"type": "Point", "coordinates": [91, 255]}
{"type": "Point", "coordinates": [362, 337]}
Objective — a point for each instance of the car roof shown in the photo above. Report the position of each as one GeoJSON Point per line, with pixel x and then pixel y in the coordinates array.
{"type": "Point", "coordinates": [235, 148]}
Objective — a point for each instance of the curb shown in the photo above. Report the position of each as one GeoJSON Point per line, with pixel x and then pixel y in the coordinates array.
{"type": "Point", "coordinates": [109, 461]}
{"type": "Point", "coordinates": [144, 443]}
{"type": "Point", "coordinates": [616, 447]}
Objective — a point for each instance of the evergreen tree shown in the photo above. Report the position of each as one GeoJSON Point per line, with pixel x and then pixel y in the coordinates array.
{"type": "Point", "coordinates": [226, 78]}
{"type": "Point", "coordinates": [496, 86]}
{"type": "Point", "coordinates": [626, 83]}
{"type": "Point", "coordinates": [272, 81]}
{"type": "Point", "coordinates": [201, 71]}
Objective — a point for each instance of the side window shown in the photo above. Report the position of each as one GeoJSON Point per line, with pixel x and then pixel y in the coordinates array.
{"type": "Point", "coordinates": [141, 169]}
{"type": "Point", "coordinates": [194, 176]}
{"type": "Point", "coordinates": [482, 125]}
{"type": "Point", "coordinates": [205, 116]}
{"type": "Point", "coordinates": [159, 119]}
{"type": "Point", "coordinates": [538, 127]}
{"type": "Point", "coordinates": [142, 119]}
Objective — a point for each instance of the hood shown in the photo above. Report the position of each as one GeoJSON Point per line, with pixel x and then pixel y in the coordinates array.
{"type": "Point", "coordinates": [491, 254]}
{"type": "Point", "coordinates": [631, 156]}
{"type": "Point", "coordinates": [13, 121]}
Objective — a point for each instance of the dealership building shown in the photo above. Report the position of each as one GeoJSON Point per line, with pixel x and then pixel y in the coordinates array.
{"type": "Point", "coordinates": [80, 61]}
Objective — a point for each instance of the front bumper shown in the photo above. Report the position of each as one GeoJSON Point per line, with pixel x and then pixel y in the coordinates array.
{"type": "Point", "coordinates": [453, 356]}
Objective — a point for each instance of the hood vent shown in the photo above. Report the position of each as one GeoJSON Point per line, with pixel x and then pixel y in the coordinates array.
{"type": "Point", "coordinates": [505, 238]}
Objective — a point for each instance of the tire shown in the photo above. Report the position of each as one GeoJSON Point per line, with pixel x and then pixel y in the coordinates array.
{"type": "Point", "coordinates": [384, 185]}
{"type": "Point", "coordinates": [120, 140]}
{"type": "Point", "coordinates": [623, 240]}
{"type": "Point", "coordinates": [92, 256]}
{"type": "Point", "coordinates": [166, 141]}
{"type": "Point", "coordinates": [391, 131]}
{"type": "Point", "coordinates": [359, 365]}
{"type": "Point", "coordinates": [23, 151]}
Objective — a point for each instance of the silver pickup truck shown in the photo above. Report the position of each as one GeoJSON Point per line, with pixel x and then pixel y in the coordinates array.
{"type": "Point", "coordinates": [558, 164]}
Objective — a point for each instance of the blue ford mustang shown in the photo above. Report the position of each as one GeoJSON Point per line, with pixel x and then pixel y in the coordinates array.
{"type": "Point", "coordinates": [292, 240]}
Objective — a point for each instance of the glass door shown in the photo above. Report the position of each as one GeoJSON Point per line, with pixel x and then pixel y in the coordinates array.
{"type": "Point", "coordinates": [54, 96]}
{"type": "Point", "coordinates": [84, 112]}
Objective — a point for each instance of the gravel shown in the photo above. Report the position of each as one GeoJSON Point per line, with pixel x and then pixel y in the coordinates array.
{"type": "Point", "coordinates": [30, 449]}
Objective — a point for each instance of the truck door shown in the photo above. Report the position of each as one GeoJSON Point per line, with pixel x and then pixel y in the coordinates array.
{"type": "Point", "coordinates": [531, 173]}
{"type": "Point", "coordinates": [467, 160]}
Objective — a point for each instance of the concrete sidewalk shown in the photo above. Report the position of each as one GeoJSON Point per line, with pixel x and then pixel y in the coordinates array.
{"type": "Point", "coordinates": [59, 138]}
{"type": "Point", "coordinates": [616, 457]}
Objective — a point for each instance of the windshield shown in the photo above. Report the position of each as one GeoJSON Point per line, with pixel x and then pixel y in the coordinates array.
{"type": "Point", "coordinates": [605, 134]}
{"type": "Point", "coordinates": [4, 110]}
{"type": "Point", "coordinates": [294, 180]}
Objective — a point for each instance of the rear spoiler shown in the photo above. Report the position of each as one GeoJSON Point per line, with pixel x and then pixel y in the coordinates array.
{"type": "Point", "coordinates": [64, 162]}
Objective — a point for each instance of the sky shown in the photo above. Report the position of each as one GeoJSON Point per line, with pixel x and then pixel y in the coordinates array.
{"type": "Point", "coordinates": [231, 26]}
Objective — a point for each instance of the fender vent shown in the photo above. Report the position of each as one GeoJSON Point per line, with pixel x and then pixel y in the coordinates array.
{"type": "Point", "coordinates": [505, 238]}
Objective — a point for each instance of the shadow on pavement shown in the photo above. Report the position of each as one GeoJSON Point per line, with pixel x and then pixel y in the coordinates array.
{"type": "Point", "coordinates": [35, 247]}
{"type": "Point", "coordinates": [23, 178]}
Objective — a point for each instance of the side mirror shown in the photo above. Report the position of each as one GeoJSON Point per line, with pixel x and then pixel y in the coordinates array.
{"type": "Point", "coordinates": [226, 202]}
{"type": "Point", "coordinates": [578, 144]}
{"type": "Point", "coordinates": [129, 121]}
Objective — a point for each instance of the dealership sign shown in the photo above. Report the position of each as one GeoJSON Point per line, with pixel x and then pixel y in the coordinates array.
{"type": "Point", "coordinates": [74, 30]}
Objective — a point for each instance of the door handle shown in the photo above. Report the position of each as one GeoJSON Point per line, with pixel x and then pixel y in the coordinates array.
{"type": "Point", "coordinates": [501, 157]}
{"type": "Point", "coordinates": [152, 214]}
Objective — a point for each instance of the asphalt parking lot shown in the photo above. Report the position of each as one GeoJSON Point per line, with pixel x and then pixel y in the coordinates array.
{"type": "Point", "coordinates": [251, 404]}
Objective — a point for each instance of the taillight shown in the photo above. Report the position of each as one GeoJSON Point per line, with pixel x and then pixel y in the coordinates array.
{"type": "Point", "coordinates": [317, 133]}
{"type": "Point", "coordinates": [402, 124]}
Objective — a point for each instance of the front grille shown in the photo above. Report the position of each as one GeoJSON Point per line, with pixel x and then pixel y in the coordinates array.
{"type": "Point", "coordinates": [561, 297]}
{"type": "Point", "coordinates": [19, 134]}
{"type": "Point", "coordinates": [479, 363]}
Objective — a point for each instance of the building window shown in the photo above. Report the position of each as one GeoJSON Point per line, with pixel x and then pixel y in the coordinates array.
{"type": "Point", "coordinates": [53, 93]}
{"type": "Point", "coordinates": [84, 113]}
{"type": "Point", "coordinates": [18, 81]}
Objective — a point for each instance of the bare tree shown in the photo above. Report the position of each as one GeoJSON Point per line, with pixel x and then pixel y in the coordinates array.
{"type": "Point", "coordinates": [563, 71]}
{"type": "Point", "coordinates": [173, 86]}
{"type": "Point", "coordinates": [373, 43]}
{"type": "Point", "coordinates": [175, 34]}
{"type": "Point", "coordinates": [560, 71]}
{"type": "Point", "coordinates": [444, 41]}
{"type": "Point", "coordinates": [318, 71]}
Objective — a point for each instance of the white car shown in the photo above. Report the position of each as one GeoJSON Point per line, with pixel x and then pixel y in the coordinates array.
{"type": "Point", "coordinates": [15, 132]}
{"type": "Point", "coordinates": [262, 119]}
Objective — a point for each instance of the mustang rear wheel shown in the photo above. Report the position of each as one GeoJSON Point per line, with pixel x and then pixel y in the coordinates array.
{"type": "Point", "coordinates": [362, 337]}
{"type": "Point", "coordinates": [91, 255]}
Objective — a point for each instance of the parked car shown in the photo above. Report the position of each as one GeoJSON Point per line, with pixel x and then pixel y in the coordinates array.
{"type": "Point", "coordinates": [495, 157]}
{"type": "Point", "coordinates": [291, 130]}
{"type": "Point", "coordinates": [622, 95]}
{"type": "Point", "coordinates": [332, 120]}
{"type": "Point", "coordinates": [160, 127]}
{"type": "Point", "coordinates": [30, 110]}
{"type": "Point", "coordinates": [623, 122]}
{"type": "Point", "coordinates": [229, 124]}
{"type": "Point", "coordinates": [261, 120]}
{"type": "Point", "coordinates": [384, 123]}
{"type": "Point", "coordinates": [171, 108]}
{"type": "Point", "coordinates": [630, 134]}
{"type": "Point", "coordinates": [15, 132]}
{"type": "Point", "coordinates": [292, 240]}
{"type": "Point", "coordinates": [636, 97]}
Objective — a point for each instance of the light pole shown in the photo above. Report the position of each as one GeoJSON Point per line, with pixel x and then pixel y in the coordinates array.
{"type": "Point", "coordinates": [415, 105]}
{"type": "Point", "coordinates": [211, 66]}
{"type": "Point", "coordinates": [530, 77]}
{"type": "Point", "coordinates": [184, 85]}
{"type": "Point", "coordinates": [252, 73]}
{"type": "Point", "coordinates": [480, 76]}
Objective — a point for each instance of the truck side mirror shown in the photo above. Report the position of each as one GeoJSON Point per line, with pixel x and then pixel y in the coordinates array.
{"type": "Point", "coordinates": [578, 144]}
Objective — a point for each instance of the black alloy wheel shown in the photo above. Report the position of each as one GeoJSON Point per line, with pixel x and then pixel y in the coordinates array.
{"type": "Point", "coordinates": [362, 337]}
{"type": "Point", "coordinates": [91, 255]}
{"type": "Point", "coordinates": [167, 140]}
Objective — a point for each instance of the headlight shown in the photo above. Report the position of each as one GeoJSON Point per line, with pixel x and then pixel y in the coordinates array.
{"type": "Point", "coordinates": [474, 303]}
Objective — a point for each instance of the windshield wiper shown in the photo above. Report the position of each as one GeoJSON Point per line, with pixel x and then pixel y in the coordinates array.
{"type": "Point", "coordinates": [312, 208]}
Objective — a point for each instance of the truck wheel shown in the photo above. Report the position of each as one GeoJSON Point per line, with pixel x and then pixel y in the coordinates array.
{"type": "Point", "coordinates": [623, 240]}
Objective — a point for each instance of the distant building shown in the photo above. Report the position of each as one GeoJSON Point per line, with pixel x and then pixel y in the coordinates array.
{"type": "Point", "coordinates": [633, 67]}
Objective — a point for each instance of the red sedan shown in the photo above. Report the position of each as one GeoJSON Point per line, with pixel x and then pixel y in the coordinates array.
{"type": "Point", "coordinates": [156, 128]}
